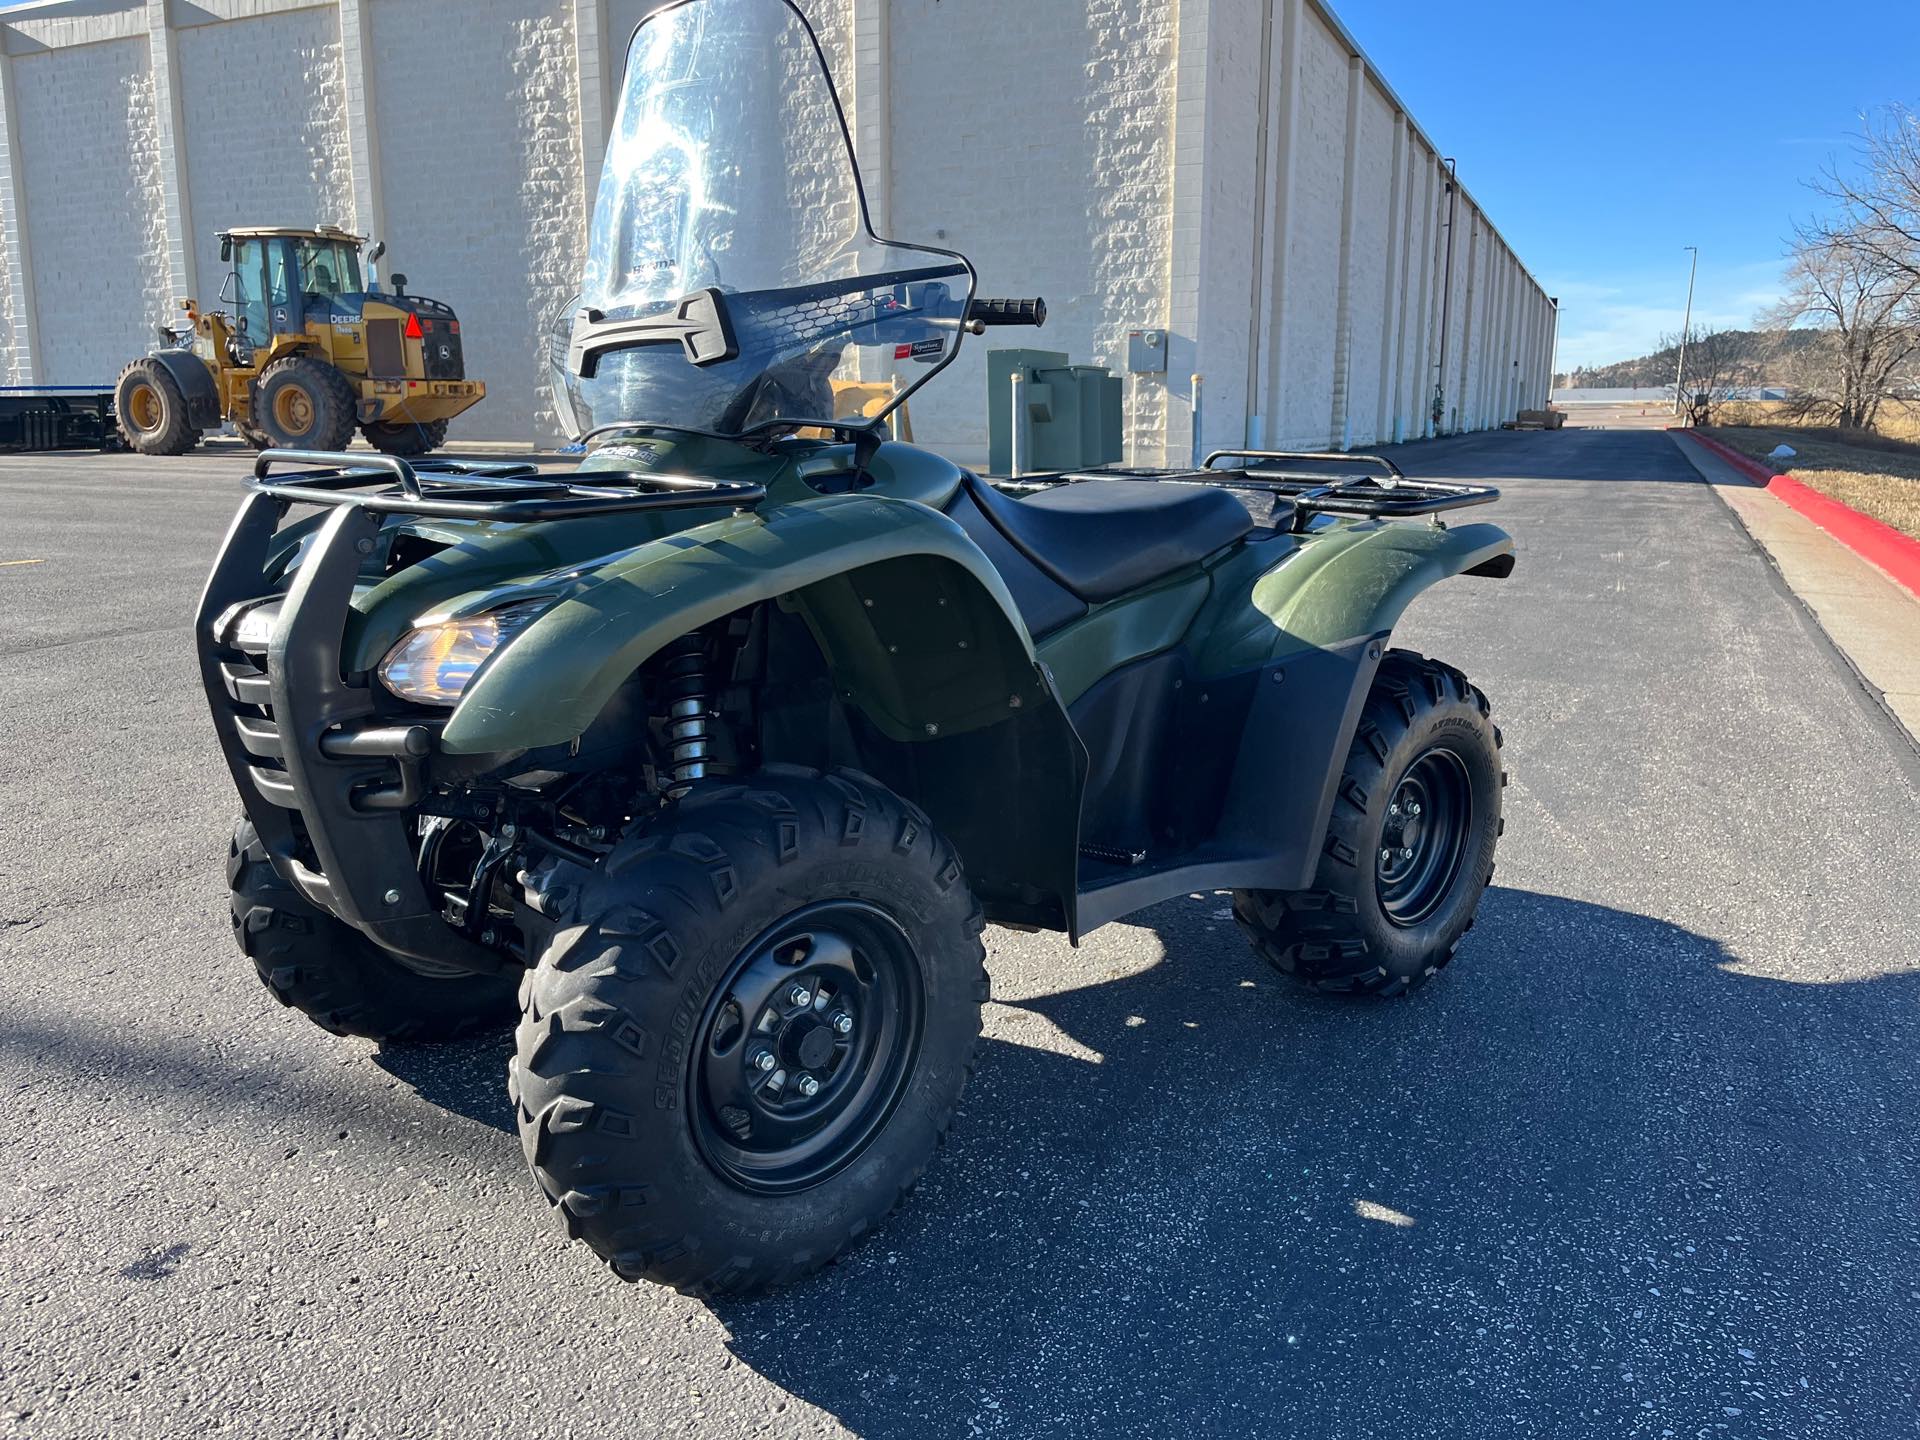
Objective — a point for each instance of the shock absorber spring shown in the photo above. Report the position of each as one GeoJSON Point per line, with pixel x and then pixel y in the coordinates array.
{"type": "Point", "coordinates": [684, 673]}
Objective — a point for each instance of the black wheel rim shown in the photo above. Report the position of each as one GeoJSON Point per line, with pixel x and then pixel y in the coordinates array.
{"type": "Point", "coordinates": [806, 1047]}
{"type": "Point", "coordinates": [1424, 840]}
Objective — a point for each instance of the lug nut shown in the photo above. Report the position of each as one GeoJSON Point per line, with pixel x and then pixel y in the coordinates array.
{"type": "Point", "coordinates": [1413, 809]}
{"type": "Point", "coordinates": [843, 1024]}
{"type": "Point", "coordinates": [1386, 857]}
{"type": "Point", "coordinates": [808, 1086]}
{"type": "Point", "coordinates": [1393, 809]}
{"type": "Point", "coordinates": [799, 995]}
{"type": "Point", "coordinates": [1406, 853]}
{"type": "Point", "coordinates": [763, 1060]}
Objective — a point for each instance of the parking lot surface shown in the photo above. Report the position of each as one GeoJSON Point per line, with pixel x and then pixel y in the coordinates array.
{"type": "Point", "coordinates": [1643, 1162]}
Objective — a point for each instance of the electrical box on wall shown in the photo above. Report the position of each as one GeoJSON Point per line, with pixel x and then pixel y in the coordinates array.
{"type": "Point", "coordinates": [1147, 352]}
{"type": "Point", "coordinates": [1072, 419]}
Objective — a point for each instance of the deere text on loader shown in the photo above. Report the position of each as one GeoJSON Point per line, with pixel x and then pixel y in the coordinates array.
{"type": "Point", "coordinates": [302, 355]}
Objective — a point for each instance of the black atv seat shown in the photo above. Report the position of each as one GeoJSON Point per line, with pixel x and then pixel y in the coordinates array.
{"type": "Point", "coordinates": [1102, 538]}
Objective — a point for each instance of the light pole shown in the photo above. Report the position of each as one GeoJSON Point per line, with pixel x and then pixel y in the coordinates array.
{"type": "Point", "coordinates": [1680, 372]}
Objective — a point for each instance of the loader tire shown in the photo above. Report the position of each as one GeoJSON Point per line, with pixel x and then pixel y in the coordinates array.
{"type": "Point", "coordinates": [748, 1030]}
{"type": "Point", "coordinates": [1409, 848]}
{"type": "Point", "coordinates": [303, 403]}
{"type": "Point", "coordinates": [406, 437]}
{"type": "Point", "coordinates": [151, 411]}
{"type": "Point", "coordinates": [335, 975]}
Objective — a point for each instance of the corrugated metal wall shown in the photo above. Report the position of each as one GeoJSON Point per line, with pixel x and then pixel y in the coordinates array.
{"type": "Point", "coordinates": [1335, 255]}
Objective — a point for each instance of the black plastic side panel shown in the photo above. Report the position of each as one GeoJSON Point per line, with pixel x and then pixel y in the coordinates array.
{"type": "Point", "coordinates": [1273, 800]}
{"type": "Point", "coordinates": [1292, 752]}
{"type": "Point", "coordinates": [1043, 604]}
{"type": "Point", "coordinates": [1126, 722]}
{"type": "Point", "coordinates": [196, 383]}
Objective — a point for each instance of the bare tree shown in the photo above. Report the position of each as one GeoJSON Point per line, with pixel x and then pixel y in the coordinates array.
{"type": "Point", "coordinates": [1863, 306]}
{"type": "Point", "coordinates": [1717, 364]}
{"type": "Point", "coordinates": [1880, 195]}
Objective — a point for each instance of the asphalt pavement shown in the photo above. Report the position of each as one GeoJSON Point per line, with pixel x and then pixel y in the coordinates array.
{"type": "Point", "coordinates": [1644, 1161]}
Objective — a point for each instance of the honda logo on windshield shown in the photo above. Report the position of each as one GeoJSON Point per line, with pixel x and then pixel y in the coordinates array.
{"type": "Point", "coordinates": [699, 322]}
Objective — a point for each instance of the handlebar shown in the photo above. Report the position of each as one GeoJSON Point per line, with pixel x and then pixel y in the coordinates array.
{"type": "Point", "coordinates": [1006, 312]}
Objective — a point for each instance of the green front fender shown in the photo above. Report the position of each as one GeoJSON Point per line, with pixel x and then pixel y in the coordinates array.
{"type": "Point", "coordinates": [915, 622]}
{"type": "Point", "coordinates": [1344, 584]}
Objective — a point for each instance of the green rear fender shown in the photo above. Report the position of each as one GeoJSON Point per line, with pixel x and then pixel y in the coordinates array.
{"type": "Point", "coordinates": [1345, 584]}
{"type": "Point", "coordinates": [917, 627]}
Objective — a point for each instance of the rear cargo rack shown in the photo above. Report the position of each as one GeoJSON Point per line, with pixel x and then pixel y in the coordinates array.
{"type": "Point", "coordinates": [1302, 481]}
{"type": "Point", "coordinates": [458, 489]}
{"type": "Point", "coordinates": [1382, 492]}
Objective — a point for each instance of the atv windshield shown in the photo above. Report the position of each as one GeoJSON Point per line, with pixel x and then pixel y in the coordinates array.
{"type": "Point", "coordinates": [733, 283]}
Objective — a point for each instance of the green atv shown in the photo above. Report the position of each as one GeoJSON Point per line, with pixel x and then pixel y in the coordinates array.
{"type": "Point", "coordinates": [721, 750]}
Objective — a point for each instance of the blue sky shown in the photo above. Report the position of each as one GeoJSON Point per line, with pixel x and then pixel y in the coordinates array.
{"type": "Point", "coordinates": [1603, 138]}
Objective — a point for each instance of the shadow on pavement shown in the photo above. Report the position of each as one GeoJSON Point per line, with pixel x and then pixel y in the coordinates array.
{"type": "Point", "coordinates": [467, 1077]}
{"type": "Point", "coordinates": [1592, 1182]}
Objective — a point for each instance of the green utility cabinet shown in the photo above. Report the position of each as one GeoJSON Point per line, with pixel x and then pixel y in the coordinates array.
{"type": "Point", "coordinates": [1073, 412]}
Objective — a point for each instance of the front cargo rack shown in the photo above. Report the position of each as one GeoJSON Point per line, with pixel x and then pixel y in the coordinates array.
{"type": "Point", "coordinates": [457, 489]}
{"type": "Point", "coordinates": [1381, 492]}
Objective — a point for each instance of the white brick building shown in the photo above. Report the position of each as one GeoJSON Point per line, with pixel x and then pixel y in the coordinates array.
{"type": "Point", "coordinates": [1232, 171]}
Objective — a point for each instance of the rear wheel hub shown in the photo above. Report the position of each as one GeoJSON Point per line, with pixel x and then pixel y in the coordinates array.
{"type": "Point", "coordinates": [1424, 840]}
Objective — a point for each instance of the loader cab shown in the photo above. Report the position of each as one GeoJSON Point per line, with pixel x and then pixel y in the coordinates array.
{"type": "Point", "coordinates": [275, 279]}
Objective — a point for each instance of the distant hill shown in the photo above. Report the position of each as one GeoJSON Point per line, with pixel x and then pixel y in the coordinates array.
{"type": "Point", "coordinates": [1761, 352]}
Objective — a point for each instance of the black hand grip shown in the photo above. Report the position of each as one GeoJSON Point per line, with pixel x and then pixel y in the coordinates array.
{"type": "Point", "coordinates": [1007, 312]}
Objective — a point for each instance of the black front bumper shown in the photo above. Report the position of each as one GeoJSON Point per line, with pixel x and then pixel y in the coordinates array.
{"type": "Point", "coordinates": [325, 782]}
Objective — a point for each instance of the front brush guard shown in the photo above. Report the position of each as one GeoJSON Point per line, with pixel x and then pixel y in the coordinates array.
{"type": "Point", "coordinates": [368, 876]}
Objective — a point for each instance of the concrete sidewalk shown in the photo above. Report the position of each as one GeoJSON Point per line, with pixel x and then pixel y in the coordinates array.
{"type": "Point", "coordinates": [1873, 620]}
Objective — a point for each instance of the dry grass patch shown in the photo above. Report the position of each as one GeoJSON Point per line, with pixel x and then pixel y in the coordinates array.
{"type": "Point", "coordinates": [1876, 472]}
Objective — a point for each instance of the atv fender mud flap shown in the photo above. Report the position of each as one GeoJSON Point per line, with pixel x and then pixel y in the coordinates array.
{"type": "Point", "coordinates": [1296, 661]}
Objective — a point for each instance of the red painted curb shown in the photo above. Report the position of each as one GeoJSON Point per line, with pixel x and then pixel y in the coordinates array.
{"type": "Point", "coordinates": [1872, 540]}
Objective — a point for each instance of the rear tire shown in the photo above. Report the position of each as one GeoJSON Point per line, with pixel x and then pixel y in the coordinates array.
{"type": "Point", "coordinates": [798, 930]}
{"type": "Point", "coordinates": [1409, 848]}
{"type": "Point", "coordinates": [151, 411]}
{"type": "Point", "coordinates": [406, 437]}
{"type": "Point", "coordinates": [303, 403]}
{"type": "Point", "coordinates": [339, 978]}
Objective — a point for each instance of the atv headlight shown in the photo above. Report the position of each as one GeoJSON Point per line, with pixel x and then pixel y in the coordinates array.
{"type": "Point", "coordinates": [433, 664]}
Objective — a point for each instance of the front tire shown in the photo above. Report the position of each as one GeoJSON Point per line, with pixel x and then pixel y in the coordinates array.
{"type": "Point", "coordinates": [303, 403]}
{"type": "Point", "coordinates": [1409, 848]}
{"type": "Point", "coordinates": [335, 975]}
{"type": "Point", "coordinates": [749, 1029]}
{"type": "Point", "coordinates": [151, 410]}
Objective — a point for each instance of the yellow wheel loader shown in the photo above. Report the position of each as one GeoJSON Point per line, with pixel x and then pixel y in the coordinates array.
{"type": "Point", "coordinates": [303, 355]}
